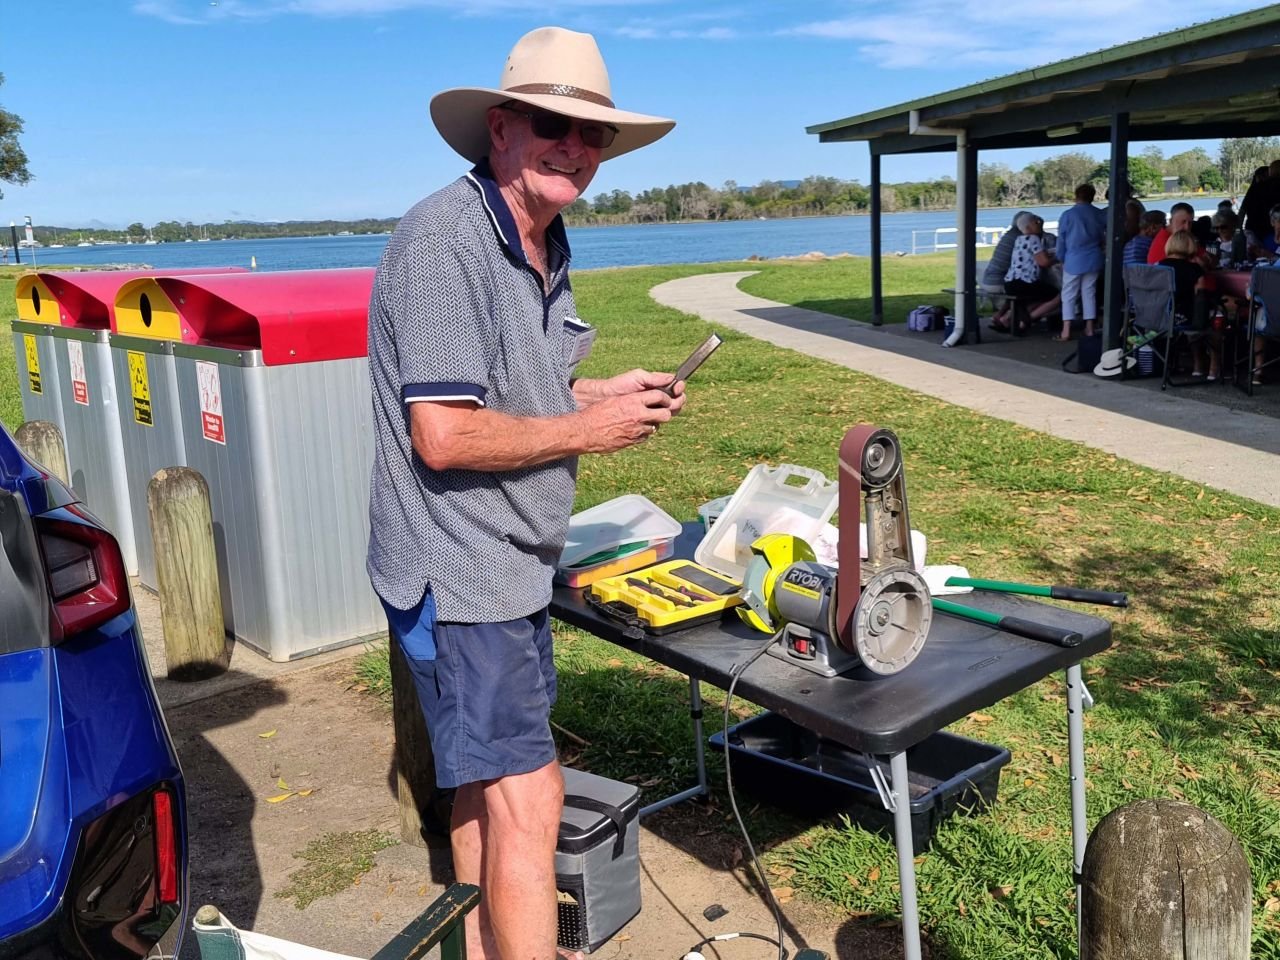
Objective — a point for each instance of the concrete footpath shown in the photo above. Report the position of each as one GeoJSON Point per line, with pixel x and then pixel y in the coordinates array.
{"type": "Point", "coordinates": [1229, 450]}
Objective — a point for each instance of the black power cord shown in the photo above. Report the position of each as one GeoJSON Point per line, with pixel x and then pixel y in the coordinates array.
{"type": "Point", "coordinates": [734, 673]}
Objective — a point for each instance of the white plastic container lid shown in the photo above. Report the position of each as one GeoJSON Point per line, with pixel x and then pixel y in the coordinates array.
{"type": "Point", "coordinates": [628, 519]}
{"type": "Point", "coordinates": [782, 499]}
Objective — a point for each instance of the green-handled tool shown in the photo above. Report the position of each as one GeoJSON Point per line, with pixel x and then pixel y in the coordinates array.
{"type": "Point", "coordinates": [1104, 597]}
{"type": "Point", "coordinates": [1015, 625]}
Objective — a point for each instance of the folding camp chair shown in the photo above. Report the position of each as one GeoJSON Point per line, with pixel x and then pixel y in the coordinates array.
{"type": "Point", "coordinates": [1149, 290]}
{"type": "Point", "coordinates": [441, 923]}
{"type": "Point", "coordinates": [1264, 312]}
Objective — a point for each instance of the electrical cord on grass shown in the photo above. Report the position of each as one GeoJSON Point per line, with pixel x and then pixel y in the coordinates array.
{"type": "Point", "coordinates": [734, 673]}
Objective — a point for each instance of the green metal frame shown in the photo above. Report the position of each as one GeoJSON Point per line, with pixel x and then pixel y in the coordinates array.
{"type": "Point", "coordinates": [441, 923]}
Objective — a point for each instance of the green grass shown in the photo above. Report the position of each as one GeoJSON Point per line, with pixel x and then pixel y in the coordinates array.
{"type": "Point", "coordinates": [1188, 696]}
{"type": "Point", "coordinates": [10, 400]}
{"type": "Point", "coordinates": [334, 862]}
{"type": "Point", "coordinates": [843, 287]}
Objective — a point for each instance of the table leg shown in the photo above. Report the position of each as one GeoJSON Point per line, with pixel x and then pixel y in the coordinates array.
{"type": "Point", "coordinates": [906, 856]}
{"type": "Point", "coordinates": [700, 751]}
{"type": "Point", "coordinates": [1075, 744]}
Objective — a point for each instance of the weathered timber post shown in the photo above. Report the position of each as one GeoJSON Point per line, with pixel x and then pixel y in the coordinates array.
{"type": "Point", "coordinates": [195, 644]}
{"type": "Point", "coordinates": [1164, 879]}
{"type": "Point", "coordinates": [42, 442]}
{"type": "Point", "coordinates": [425, 809]}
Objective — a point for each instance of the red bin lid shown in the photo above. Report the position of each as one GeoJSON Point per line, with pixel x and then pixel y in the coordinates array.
{"type": "Point", "coordinates": [87, 298]}
{"type": "Point", "coordinates": [296, 316]}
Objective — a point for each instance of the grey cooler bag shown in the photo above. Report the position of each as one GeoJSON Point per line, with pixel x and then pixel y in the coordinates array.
{"type": "Point", "coordinates": [597, 860]}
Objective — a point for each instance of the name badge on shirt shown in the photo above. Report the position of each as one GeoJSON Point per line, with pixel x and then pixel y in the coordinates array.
{"type": "Point", "coordinates": [584, 337]}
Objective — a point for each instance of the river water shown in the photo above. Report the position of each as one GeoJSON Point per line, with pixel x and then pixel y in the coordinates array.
{"type": "Point", "coordinates": [593, 247]}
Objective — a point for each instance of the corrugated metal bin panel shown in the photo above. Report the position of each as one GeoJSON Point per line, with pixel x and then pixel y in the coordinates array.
{"type": "Point", "coordinates": [95, 448]}
{"type": "Point", "coordinates": [150, 427]}
{"type": "Point", "coordinates": [287, 450]}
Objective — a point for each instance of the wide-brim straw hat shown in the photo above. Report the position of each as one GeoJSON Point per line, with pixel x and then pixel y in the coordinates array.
{"type": "Point", "coordinates": [557, 70]}
{"type": "Point", "coordinates": [1109, 365]}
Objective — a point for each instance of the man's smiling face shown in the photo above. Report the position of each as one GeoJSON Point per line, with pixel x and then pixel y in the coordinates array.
{"type": "Point", "coordinates": [546, 175]}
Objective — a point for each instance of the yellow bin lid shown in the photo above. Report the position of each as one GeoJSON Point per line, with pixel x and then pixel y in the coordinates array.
{"type": "Point", "coordinates": [36, 302]}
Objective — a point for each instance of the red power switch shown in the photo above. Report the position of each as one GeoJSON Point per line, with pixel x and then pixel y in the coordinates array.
{"type": "Point", "coordinates": [802, 646]}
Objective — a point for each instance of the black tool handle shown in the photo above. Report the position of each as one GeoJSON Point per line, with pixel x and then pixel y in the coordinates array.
{"type": "Point", "coordinates": [1104, 597]}
{"type": "Point", "coordinates": [1041, 631]}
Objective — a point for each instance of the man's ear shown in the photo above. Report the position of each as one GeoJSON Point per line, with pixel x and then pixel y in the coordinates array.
{"type": "Point", "coordinates": [497, 120]}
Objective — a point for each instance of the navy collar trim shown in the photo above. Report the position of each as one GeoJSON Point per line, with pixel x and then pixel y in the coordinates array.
{"type": "Point", "coordinates": [504, 224]}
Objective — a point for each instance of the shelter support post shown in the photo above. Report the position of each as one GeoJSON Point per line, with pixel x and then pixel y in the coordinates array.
{"type": "Point", "coordinates": [877, 287]}
{"type": "Point", "coordinates": [966, 308]}
{"type": "Point", "coordinates": [1117, 194]}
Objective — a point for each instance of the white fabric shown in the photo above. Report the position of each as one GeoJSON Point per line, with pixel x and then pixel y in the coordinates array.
{"type": "Point", "coordinates": [1082, 288]}
{"type": "Point", "coordinates": [259, 946]}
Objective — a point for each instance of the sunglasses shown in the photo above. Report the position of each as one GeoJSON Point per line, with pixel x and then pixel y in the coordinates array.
{"type": "Point", "coordinates": [556, 126]}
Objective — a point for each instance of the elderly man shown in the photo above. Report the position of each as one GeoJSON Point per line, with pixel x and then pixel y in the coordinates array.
{"type": "Point", "coordinates": [1181, 216]}
{"type": "Point", "coordinates": [473, 337]}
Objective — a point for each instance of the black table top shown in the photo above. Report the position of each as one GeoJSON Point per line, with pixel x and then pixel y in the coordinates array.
{"type": "Point", "coordinates": [963, 667]}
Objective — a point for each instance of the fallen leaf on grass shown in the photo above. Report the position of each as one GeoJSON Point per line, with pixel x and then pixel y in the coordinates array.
{"type": "Point", "coordinates": [1272, 905]}
{"type": "Point", "coordinates": [783, 873]}
{"type": "Point", "coordinates": [278, 799]}
{"type": "Point", "coordinates": [1000, 892]}
{"type": "Point", "coordinates": [281, 784]}
{"type": "Point", "coordinates": [267, 736]}
{"type": "Point", "coordinates": [873, 875]}
{"type": "Point", "coordinates": [981, 717]}
{"type": "Point", "coordinates": [307, 793]}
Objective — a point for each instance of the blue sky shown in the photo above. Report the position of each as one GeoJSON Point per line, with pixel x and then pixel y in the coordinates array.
{"type": "Point", "coordinates": [154, 110]}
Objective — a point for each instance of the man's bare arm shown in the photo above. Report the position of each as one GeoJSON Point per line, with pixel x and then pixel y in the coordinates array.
{"type": "Point", "coordinates": [457, 435]}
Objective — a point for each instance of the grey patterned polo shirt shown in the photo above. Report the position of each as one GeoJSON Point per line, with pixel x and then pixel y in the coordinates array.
{"type": "Point", "coordinates": [458, 313]}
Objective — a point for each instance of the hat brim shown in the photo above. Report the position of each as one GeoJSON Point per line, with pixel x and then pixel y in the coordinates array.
{"type": "Point", "coordinates": [459, 115]}
{"type": "Point", "coordinates": [1113, 369]}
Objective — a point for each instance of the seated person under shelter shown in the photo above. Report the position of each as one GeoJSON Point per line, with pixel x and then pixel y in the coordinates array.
{"type": "Point", "coordinates": [1149, 224]}
{"type": "Point", "coordinates": [1268, 247]}
{"type": "Point", "coordinates": [998, 266]}
{"type": "Point", "coordinates": [1024, 277]}
{"type": "Point", "coordinates": [1181, 217]}
{"type": "Point", "coordinates": [1188, 281]}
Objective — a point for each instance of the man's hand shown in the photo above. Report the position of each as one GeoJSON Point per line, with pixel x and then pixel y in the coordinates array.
{"type": "Point", "coordinates": [623, 420]}
{"type": "Point", "coordinates": [624, 384]}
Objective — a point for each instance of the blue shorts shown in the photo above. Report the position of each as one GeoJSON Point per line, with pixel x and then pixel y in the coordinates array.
{"type": "Point", "coordinates": [486, 690]}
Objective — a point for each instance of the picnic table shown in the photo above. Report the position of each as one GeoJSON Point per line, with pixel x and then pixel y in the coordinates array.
{"type": "Point", "coordinates": [963, 667]}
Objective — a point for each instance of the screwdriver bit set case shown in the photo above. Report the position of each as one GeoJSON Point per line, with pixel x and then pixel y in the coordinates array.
{"type": "Point", "coordinates": [666, 597]}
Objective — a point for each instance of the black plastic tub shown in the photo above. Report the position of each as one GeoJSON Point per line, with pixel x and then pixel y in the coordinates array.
{"type": "Point", "coordinates": [803, 773]}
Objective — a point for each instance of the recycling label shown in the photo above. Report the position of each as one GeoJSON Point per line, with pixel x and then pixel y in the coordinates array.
{"type": "Point", "coordinates": [140, 388]}
{"type": "Point", "coordinates": [33, 364]}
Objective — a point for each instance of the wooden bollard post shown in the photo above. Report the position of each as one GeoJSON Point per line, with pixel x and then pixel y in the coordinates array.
{"type": "Point", "coordinates": [425, 809]}
{"type": "Point", "coordinates": [1164, 879]}
{"type": "Point", "coordinates": [42, 442]}
{"type": "Point", "coordinates": [195, 644]}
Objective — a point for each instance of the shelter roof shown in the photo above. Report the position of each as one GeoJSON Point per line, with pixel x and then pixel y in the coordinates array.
{"type": "Point", "coordinates": [1211, 80]}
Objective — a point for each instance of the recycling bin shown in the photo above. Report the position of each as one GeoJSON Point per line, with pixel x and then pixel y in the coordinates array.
{"type": "Point", "coordinates": [144, 327]}
{"type": "Point", "coordinates": [273, 386]}
{"type": "Point", "coordinates": [90, 401]}
{"type": "Point", "coordinates": [33, 351]}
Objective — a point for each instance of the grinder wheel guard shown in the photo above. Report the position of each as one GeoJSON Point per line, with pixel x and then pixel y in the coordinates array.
{"type": "Point", "coordinates": [883, 609]}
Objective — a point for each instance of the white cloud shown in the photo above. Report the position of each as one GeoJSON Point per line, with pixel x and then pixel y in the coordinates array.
{"type": "Point", "coordinates": [912, 34]}
{"type": "Point", "coordinates": [685, 25]}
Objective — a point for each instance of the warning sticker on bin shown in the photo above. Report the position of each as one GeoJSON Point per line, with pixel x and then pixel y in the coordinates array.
{"type": "Point", "coordinates": [79, 379]}
{"type": "Point", "coordinates": [33, 364]}
{"type": "Point", "coordinates": [140, 388]}
{"type": "Point", "coordinates": [210, 384]}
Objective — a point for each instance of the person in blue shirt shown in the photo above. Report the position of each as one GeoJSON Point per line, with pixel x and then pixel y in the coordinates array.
{"type": "Point", "coordinates": [1151, 223]}
{"type": "Point", "coordinates": [1082, 237]}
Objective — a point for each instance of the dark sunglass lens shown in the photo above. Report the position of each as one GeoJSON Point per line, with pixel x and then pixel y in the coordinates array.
{"type": "Point", "coordinates": [550, 126]}
{"type": "Point", "coordinates": [598, 135]}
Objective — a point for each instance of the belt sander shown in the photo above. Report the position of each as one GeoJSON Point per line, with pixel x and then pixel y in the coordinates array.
{"type": "Point", "coordinates": [868, 615]}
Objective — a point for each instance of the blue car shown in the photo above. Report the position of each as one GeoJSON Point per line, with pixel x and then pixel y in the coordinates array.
{"type": "Point", "coordinates": [93, 844]}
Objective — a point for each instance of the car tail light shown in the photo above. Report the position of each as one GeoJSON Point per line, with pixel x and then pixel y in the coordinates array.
{"type": "Point", "coordinates": [166, 848]}
{"type": "Point", "coordinates": [87, 580]}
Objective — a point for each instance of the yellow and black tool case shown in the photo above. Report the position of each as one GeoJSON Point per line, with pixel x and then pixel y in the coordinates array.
{"type": "Point", "coordinates": [666, 597]}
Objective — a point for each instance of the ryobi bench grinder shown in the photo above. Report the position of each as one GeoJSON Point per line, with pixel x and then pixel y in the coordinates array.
{"type": "Point", "coordinates": [870, 615]}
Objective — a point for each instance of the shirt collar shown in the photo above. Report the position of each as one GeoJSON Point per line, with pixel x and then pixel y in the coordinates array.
{"type": "Point", "coordinates": [504, 224]}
